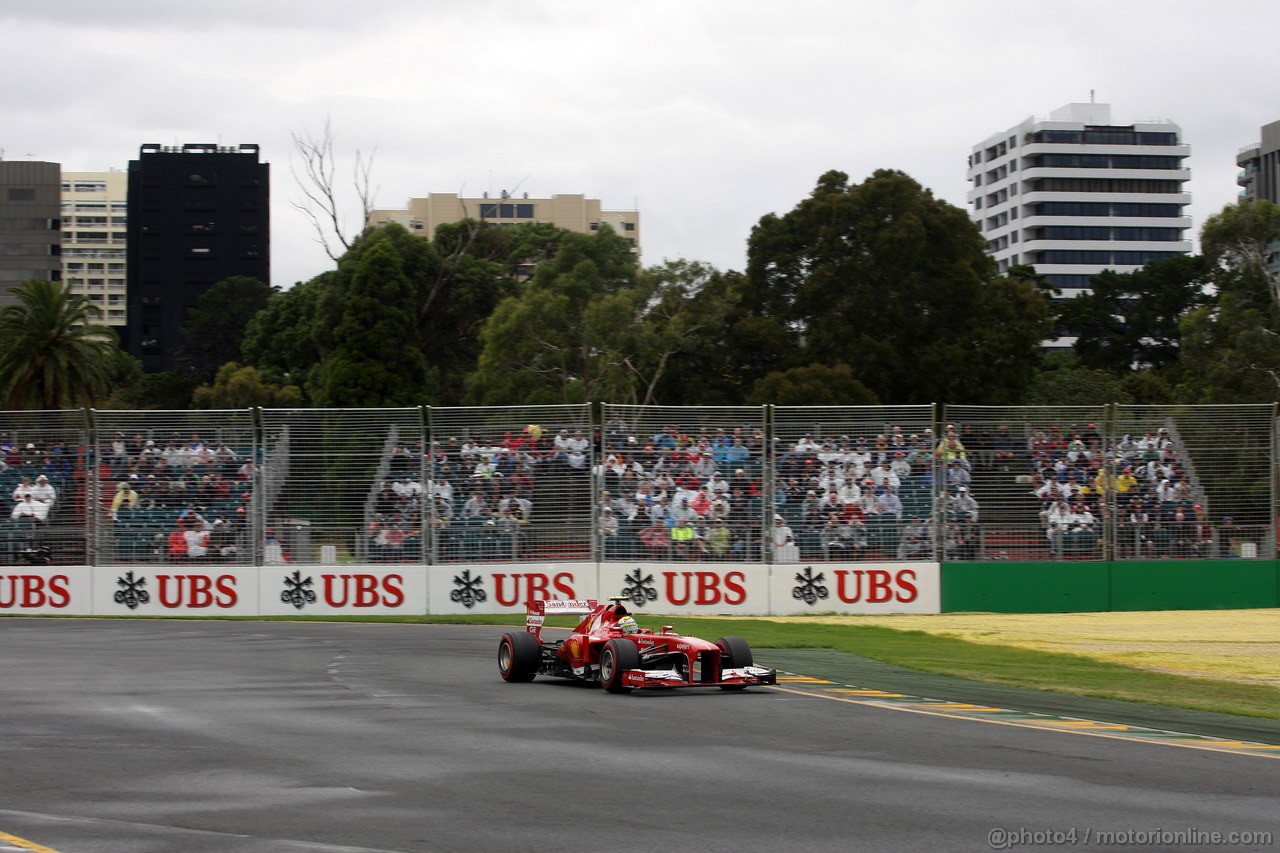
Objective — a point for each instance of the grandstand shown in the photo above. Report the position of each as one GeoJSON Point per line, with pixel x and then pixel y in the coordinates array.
{"type": "Point", "coordinates": [765, 484]}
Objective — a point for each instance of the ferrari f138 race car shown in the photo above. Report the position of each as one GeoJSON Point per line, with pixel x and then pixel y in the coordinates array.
{"type": "Point", "coordinates": [609, 647]}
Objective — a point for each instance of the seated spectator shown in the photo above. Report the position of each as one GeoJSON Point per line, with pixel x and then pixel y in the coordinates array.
{"type": "Point", "coordinates": [177, 543]}
{"type": "Point", "coordinates": [784, 547]}
{"type": "Point", "coordinates": [124, 498]}
{"type": "Point", "coordinates": [607, 529]}
{"type": "Point", "coordinates": [917, 541]}
{"type": "Point", "coordinates": [1006, 449]}
{"type": "Point", "coordinates": [197, 540]}
{"type": "Point", "coordinates": [889, 504]}
{"type": "Point", "coordinates": [962, 506]}
{"type": "Point", "coordinates": [684, 540]}
{"type": "Point", "coordinates": [950, 447]}
{"type": "Point", "coordinates": [719, 539]}
{"type": "Point", "coordinates": [222, 540]}
{"type": "Point", "coordinates": [656, 539]}
{"type": "Point", "coordinates": [31, 508]}
{"type": "Point", "coordinates": [22, 489]}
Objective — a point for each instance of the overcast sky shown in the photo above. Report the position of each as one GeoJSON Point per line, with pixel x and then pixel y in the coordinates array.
{"type": "Point", "coordinates": [704, 114]}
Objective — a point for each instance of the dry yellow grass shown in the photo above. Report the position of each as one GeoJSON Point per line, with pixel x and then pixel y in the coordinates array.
{"type": "Point", "coordinates": [1235, 645]}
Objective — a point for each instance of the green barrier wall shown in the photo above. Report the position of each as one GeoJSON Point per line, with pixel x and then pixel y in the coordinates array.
{"type": "Point", "coordinates": [1012, 587]}
{"type": "Point", "coordinates": [1193, 585]}
{"type": "Point", "coordinates": [1066, 587]}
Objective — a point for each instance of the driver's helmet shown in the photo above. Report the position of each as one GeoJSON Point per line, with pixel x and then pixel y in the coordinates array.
{"type": "Point", "coordinates": [627, 625]}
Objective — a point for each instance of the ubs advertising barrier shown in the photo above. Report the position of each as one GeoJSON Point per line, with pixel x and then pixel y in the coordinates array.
{"type": "Point", "coordinates": [687, 588]}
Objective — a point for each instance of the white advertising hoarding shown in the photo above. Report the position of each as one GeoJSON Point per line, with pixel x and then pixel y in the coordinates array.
{"type": "Point", "coordinates": [852, 588]}
{"type": "Point", "coordinates": [505, 587]}
{"type": "Point", "coordinates": [46, 589]}
{"type": "Point", "coordinates": [381, 590]}
{"type": "Point", "coordinates": [153, 590]}
{"type": "Point", "coordinates": [708, 589]}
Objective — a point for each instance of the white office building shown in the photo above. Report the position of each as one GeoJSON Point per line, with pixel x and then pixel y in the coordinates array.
{"type": "Point", "coordinates": [94, 219]}
{"type": "Point", "coordinates": [1075, 194]}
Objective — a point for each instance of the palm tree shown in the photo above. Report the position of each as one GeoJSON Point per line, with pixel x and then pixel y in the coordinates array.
{"type": "Point", "coordinates": [52, 352]}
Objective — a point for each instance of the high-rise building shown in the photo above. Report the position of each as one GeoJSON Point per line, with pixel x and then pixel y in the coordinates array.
{"type": "Point", "coordinates": [198, 214]}
{"type": "Point", "coordinates": [30, 224]}
{"type": "Point", "coordinates": [1259, 180]}
{"type": "Point", "coordinates": [1075, 194]}
{"type": "Point", "coordinates": [573, 212]}
{"type": "Point", "coordinates": [1259, 164]}
{"type": "Point", "coordinates": [95, 211]}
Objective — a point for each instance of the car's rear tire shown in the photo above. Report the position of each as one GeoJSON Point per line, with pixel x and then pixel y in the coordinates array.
{"type": "Point", "coordinates": [518, 656]}
{"type": "Point", "coordinates": [617, 657]}
{"type": "Point", "coordinates": [734, 654]}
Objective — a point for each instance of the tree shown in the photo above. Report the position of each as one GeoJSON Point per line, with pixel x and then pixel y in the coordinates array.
{"type": "Point", "coordinates": [54, 355]}
{"type": "Point", "coordinates": [237, 387]}
{"type": "Point", "coordinates": [321, 203]}
{"type": "Point", "coordinates": [885, 278]}
{"type": "Point", "coordinates": [215, 328]}
{"type": "Point", "coordinates": [375, 361]}
{"type": "Point", "coordinates": [1231, 346]}
{"type": "Point", "coordinates": [557, 340]}
{"type": "Point", "coordinates": [280, 340]}
{"type": "Point", "coordinates": [1063, 381]}
{"type": "Point", "coordinates": [681, 309]}
{"type": "Point", "coordinates": [813, 385]}
{"type": "Point", "coordinates": [1245, 236]}
{"type": "Point", "coordinates": [1132, 319]}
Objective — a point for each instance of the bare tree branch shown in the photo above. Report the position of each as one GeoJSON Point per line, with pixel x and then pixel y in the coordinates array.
{"type": "Point", "coordinates": [317, 180]}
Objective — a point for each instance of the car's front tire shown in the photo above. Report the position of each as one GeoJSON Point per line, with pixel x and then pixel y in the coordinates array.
{"type": "Point", "coordinates": [518, 656]}
{"type": "Point", "coordinates": [734, 654]}
{"type": "Point", "coordinates": [617, 657]}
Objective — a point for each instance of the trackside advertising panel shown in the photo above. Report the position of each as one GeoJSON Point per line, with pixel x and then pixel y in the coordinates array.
{"type": "Point", "coordinates": [175, 591]}
{"type": "Point", "coordinates": [505, 587]}
{"type": "Point", "coordinates": [855, 588]}
{"type": "Point", "coordinates": [342, 590]}
{"type": "Point", "coordinates": [705, 589]}
{"type": "Point", "coordinates": [46, 589]}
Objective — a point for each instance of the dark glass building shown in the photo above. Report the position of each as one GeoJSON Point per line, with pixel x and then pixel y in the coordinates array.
{"type": "Point", "coordinates": [198, 214]}
{"type": "Point", "coordinates": [30, 224]}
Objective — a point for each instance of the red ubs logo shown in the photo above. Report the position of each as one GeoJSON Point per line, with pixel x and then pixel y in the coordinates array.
{"type": "Point", "coordinates": [197, 591]}
{"type": "Point", "coordinates": [34, 591]}
{"type": "Point", "coordinates": [875, 586]}
{"type": "Point", "coordinates": [361, 590]}
{"type": "Point", "coordinates": [518, 587]}
{"type": "Point", "coordinates": [705, 588]}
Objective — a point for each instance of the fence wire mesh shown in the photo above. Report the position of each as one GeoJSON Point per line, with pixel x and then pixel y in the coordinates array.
{"type": "Point", "coordinates": [682, 483]}
{"type": "Point", "coordinates": [174, 486]}
{"type": "Point", "coordinates": [511, 483]}
{"type": "Point", "coordinates": [853, 483]}
{"type": "Point", "coordinates": [45, 472]}
{"type": "Point", "coordinates": [342, 484]}
{"type": "Point", "coordinates": [639, 483]}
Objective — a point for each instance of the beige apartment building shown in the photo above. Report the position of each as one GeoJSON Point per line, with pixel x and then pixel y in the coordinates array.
{"type": "Point", "coordinates": [94, 221]}
{"type": "Point", "coordinates": [572, 212]}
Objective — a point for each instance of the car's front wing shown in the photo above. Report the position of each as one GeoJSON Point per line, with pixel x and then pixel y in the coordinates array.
{"type": "Point", "coordinates": [740, 677]}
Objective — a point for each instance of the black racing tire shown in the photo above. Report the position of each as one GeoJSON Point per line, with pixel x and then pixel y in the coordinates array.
{"type": "Point", "coordinates": [734, 654]}
{"type": "Point", "coordinates": [617, 657]}
{"type": "Point", "coordinates": [518, 656]}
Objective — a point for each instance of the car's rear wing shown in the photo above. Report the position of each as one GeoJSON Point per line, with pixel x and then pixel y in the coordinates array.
{"type": "Point", "coordinates": [539, 610]}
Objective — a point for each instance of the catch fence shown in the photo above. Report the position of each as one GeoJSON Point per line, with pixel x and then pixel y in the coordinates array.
{"type": "Point", "coordinates": [742, 484]}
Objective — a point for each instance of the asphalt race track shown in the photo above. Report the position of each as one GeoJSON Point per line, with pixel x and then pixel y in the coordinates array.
{"type": "Point", "coordinates": [146, 736]}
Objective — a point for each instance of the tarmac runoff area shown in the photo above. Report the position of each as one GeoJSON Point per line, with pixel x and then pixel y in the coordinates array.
{"type": "Point", "coordinates": [1231, 645]}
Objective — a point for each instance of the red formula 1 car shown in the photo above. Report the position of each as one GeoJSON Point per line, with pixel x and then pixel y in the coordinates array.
{"type": "Point", "coordinates": [608, 647]}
